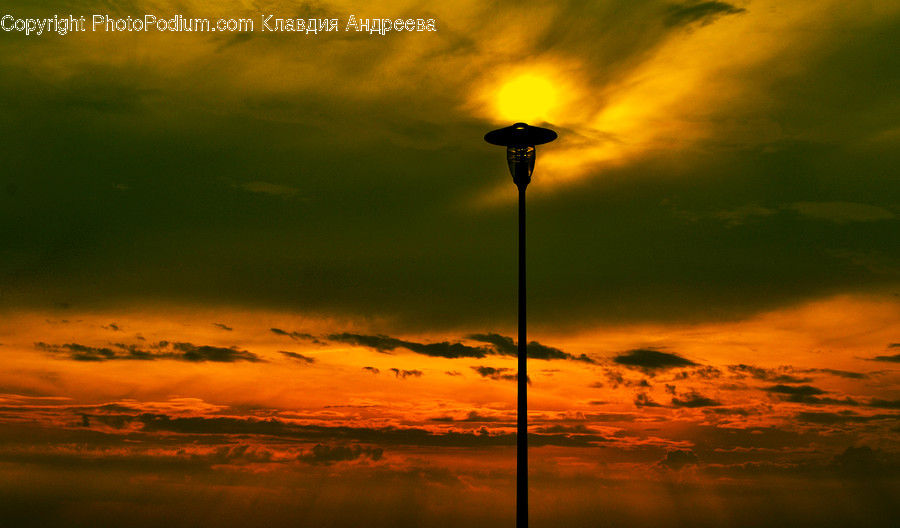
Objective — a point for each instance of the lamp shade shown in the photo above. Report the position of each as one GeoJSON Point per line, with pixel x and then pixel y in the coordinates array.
{"type": "Point", "coordinates": [520, 135]}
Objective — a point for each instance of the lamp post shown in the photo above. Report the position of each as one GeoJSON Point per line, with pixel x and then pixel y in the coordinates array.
{"type": "Point", "coordinates": [520, 140]}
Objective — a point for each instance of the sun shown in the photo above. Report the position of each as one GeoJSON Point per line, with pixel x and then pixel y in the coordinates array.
{"type": "Point", "coordinates": [527, 97]}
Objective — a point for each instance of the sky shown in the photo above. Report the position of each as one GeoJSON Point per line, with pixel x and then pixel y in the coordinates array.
{"type": "Point", "coordinates": [270, 277]}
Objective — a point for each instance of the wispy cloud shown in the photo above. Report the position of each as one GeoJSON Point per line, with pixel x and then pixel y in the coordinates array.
{"type": "Point", "coordinates": [297, 357]}
{"type": "Point", "coordinates": [651, 361]}
{"type": "Point", "coordinates": [383, 343]}
{"type": "Point", "coordinates": [699, 12]}
{"type": "Point", "coordinates": [161, 350]}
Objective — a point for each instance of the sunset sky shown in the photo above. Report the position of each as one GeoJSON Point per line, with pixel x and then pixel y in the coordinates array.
{"type": "Point", "coordinates": [268, 278]}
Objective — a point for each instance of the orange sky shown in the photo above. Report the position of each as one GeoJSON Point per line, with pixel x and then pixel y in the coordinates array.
{"type": "Point", "coordinates": [782, 397]}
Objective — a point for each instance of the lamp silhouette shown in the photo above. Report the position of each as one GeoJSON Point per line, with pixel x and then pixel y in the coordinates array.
{"type": "Point", "coordinates": [520, 140]}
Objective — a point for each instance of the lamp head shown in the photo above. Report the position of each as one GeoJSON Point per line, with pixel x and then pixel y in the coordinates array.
{"type": "Point", "coordinates": [520, 140]}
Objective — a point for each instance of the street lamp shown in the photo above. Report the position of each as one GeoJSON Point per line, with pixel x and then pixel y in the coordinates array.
{"type": "Point", "coordinates": [520, 140]}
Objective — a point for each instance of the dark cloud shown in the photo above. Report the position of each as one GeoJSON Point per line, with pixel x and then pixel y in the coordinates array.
{"type": "Point", "coordinates": [161, 350]}
{"type": "Point", "coordinates": [693, 399]}
{"type": "Point", "coordinates": [403, 374]}
{"type": "Point", "coordinates": [204, 353]}
{"type": "Point", "coordinates": [496, 373]}
{"type": "Point", "coordinates": [116, 421]}
{"type": "Point", "coordinates": [883, 404]}
{"type": "Point", "coordinates": [833, 372]}
{"type": "Point", "coordinates": [223, 327]}
{"type": "Point", "coordinates": [276, 428]}
{"type": "Point", "coordinates": [373, 370]}
{"type": "Point", "coordinates": [802, 390]}
{"type": "Point", "coordinates": [651, 361]}
{"type": "Point", "coordinates": [764, 374]}
{"type": "Point", "coordinates": [82, 352]}
{"type": "Point", "coordinates": [504, 345]}
{"type": "Point", "coordinates": [476, 417]}
{"type": "Point", "coordinates": [737, 411]}
{"type": "Point", "coordinates": [890, 359]}
{"type": "Point", "coordinates": [834, 418]}
{"type": "Point", "coordinates": [539, 351]}
{"type": "Point", "coordinates": [296, 336]}
{"type": "Point", "coordinates": [383, 343]}
{"type": "Point", "coordinates": [298, 357]}
{"type": "Point", "coordinates": [816, 400]}
{"type": "Point", "coordinates": [702, 12]}
{"type": "Point", "coordinates": [678, 458]}
{"type": "Point", "coordinates": [644, 400]}
{"type": "Point", "coordinates": [863, 462]}
{"type": "Point", "coordinates": [112, 326]}
{"type": "Point", "coordinates": [808, 394]}
{"type": "Point", "coordinates": [240, 453]}
{"type": "Point", "coordinates": [327, 455]}
{"type": "Point", "coordinates": [706, 372]}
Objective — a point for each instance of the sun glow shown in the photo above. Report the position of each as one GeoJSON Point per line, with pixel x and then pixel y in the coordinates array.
{"type": "Point", "coordinates": [527, 97]}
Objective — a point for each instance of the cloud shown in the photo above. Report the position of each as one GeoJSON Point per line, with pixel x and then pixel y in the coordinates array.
{"type": "Point", "coordinates": [835, 418]}
{"type": "Point", "coordinates": [705, 372]}
{"type": "Point", "coordinates": [764, 374]}
{"type": "Point", "coordinates": [506, 346]}
{"type": "Point", "coordinates": [502, 344]}
{"type": "Point", "coordinates": [298, 357]}
{"type": "Point", "coordinates": [403, 374]}
{"type": "Point", "coordinates": [856, 458]}
{"type": "Point", "coordinates": [889, 359]}
{"type": "Point", "coordinates": [703, 12]}
{"type": "Point", "coordinates": [883, 404]}
{"type": "Point", "coordinates": [475, 417]}
{"type": "Point", "coordinates": [327, 455]}
{"type": "Point", "coordinates": [80, 352]}
{"type": "Point", "coordinates": [199, 354]}
{"type": "Point", "coordinates": [833, 372]}
{"type": "Point", "coordinates": [693, 399]}
{"type": "Point", "coordinates": [644, 400]}
{"type": "Point", "coordinates": [223, 327]}
{"type": "Point", "coordinates": [615, 378]}
{"type": "Point", "coordinates": [866, 463]}
{"type": "Point", "coordinates": [241, 453]}
{"type": "Point", "coordinates": [383, 343]}
{"type": "Point", "coordinates": [802, 390]}
{"type": "Point", "coordinates": [496, 373]}
{"type": "Point", "coordinates": [676, 459]}
{"type": "Point", "coordinates": [161, 351]}
{"type": "Point", "coordinates": [651, 361]}
{"type": "Point", "coordinates": [277, 428]}
{"type": "Point", "coordinates": [807, 394]}
{"type": "Point", "coordinates": [373, 370]}
{"type": "Point", "coordinates": [296, 336]}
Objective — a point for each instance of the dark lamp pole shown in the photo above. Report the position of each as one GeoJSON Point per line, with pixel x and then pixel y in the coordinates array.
{"type": "Point", "coordinates": [520, 140]}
